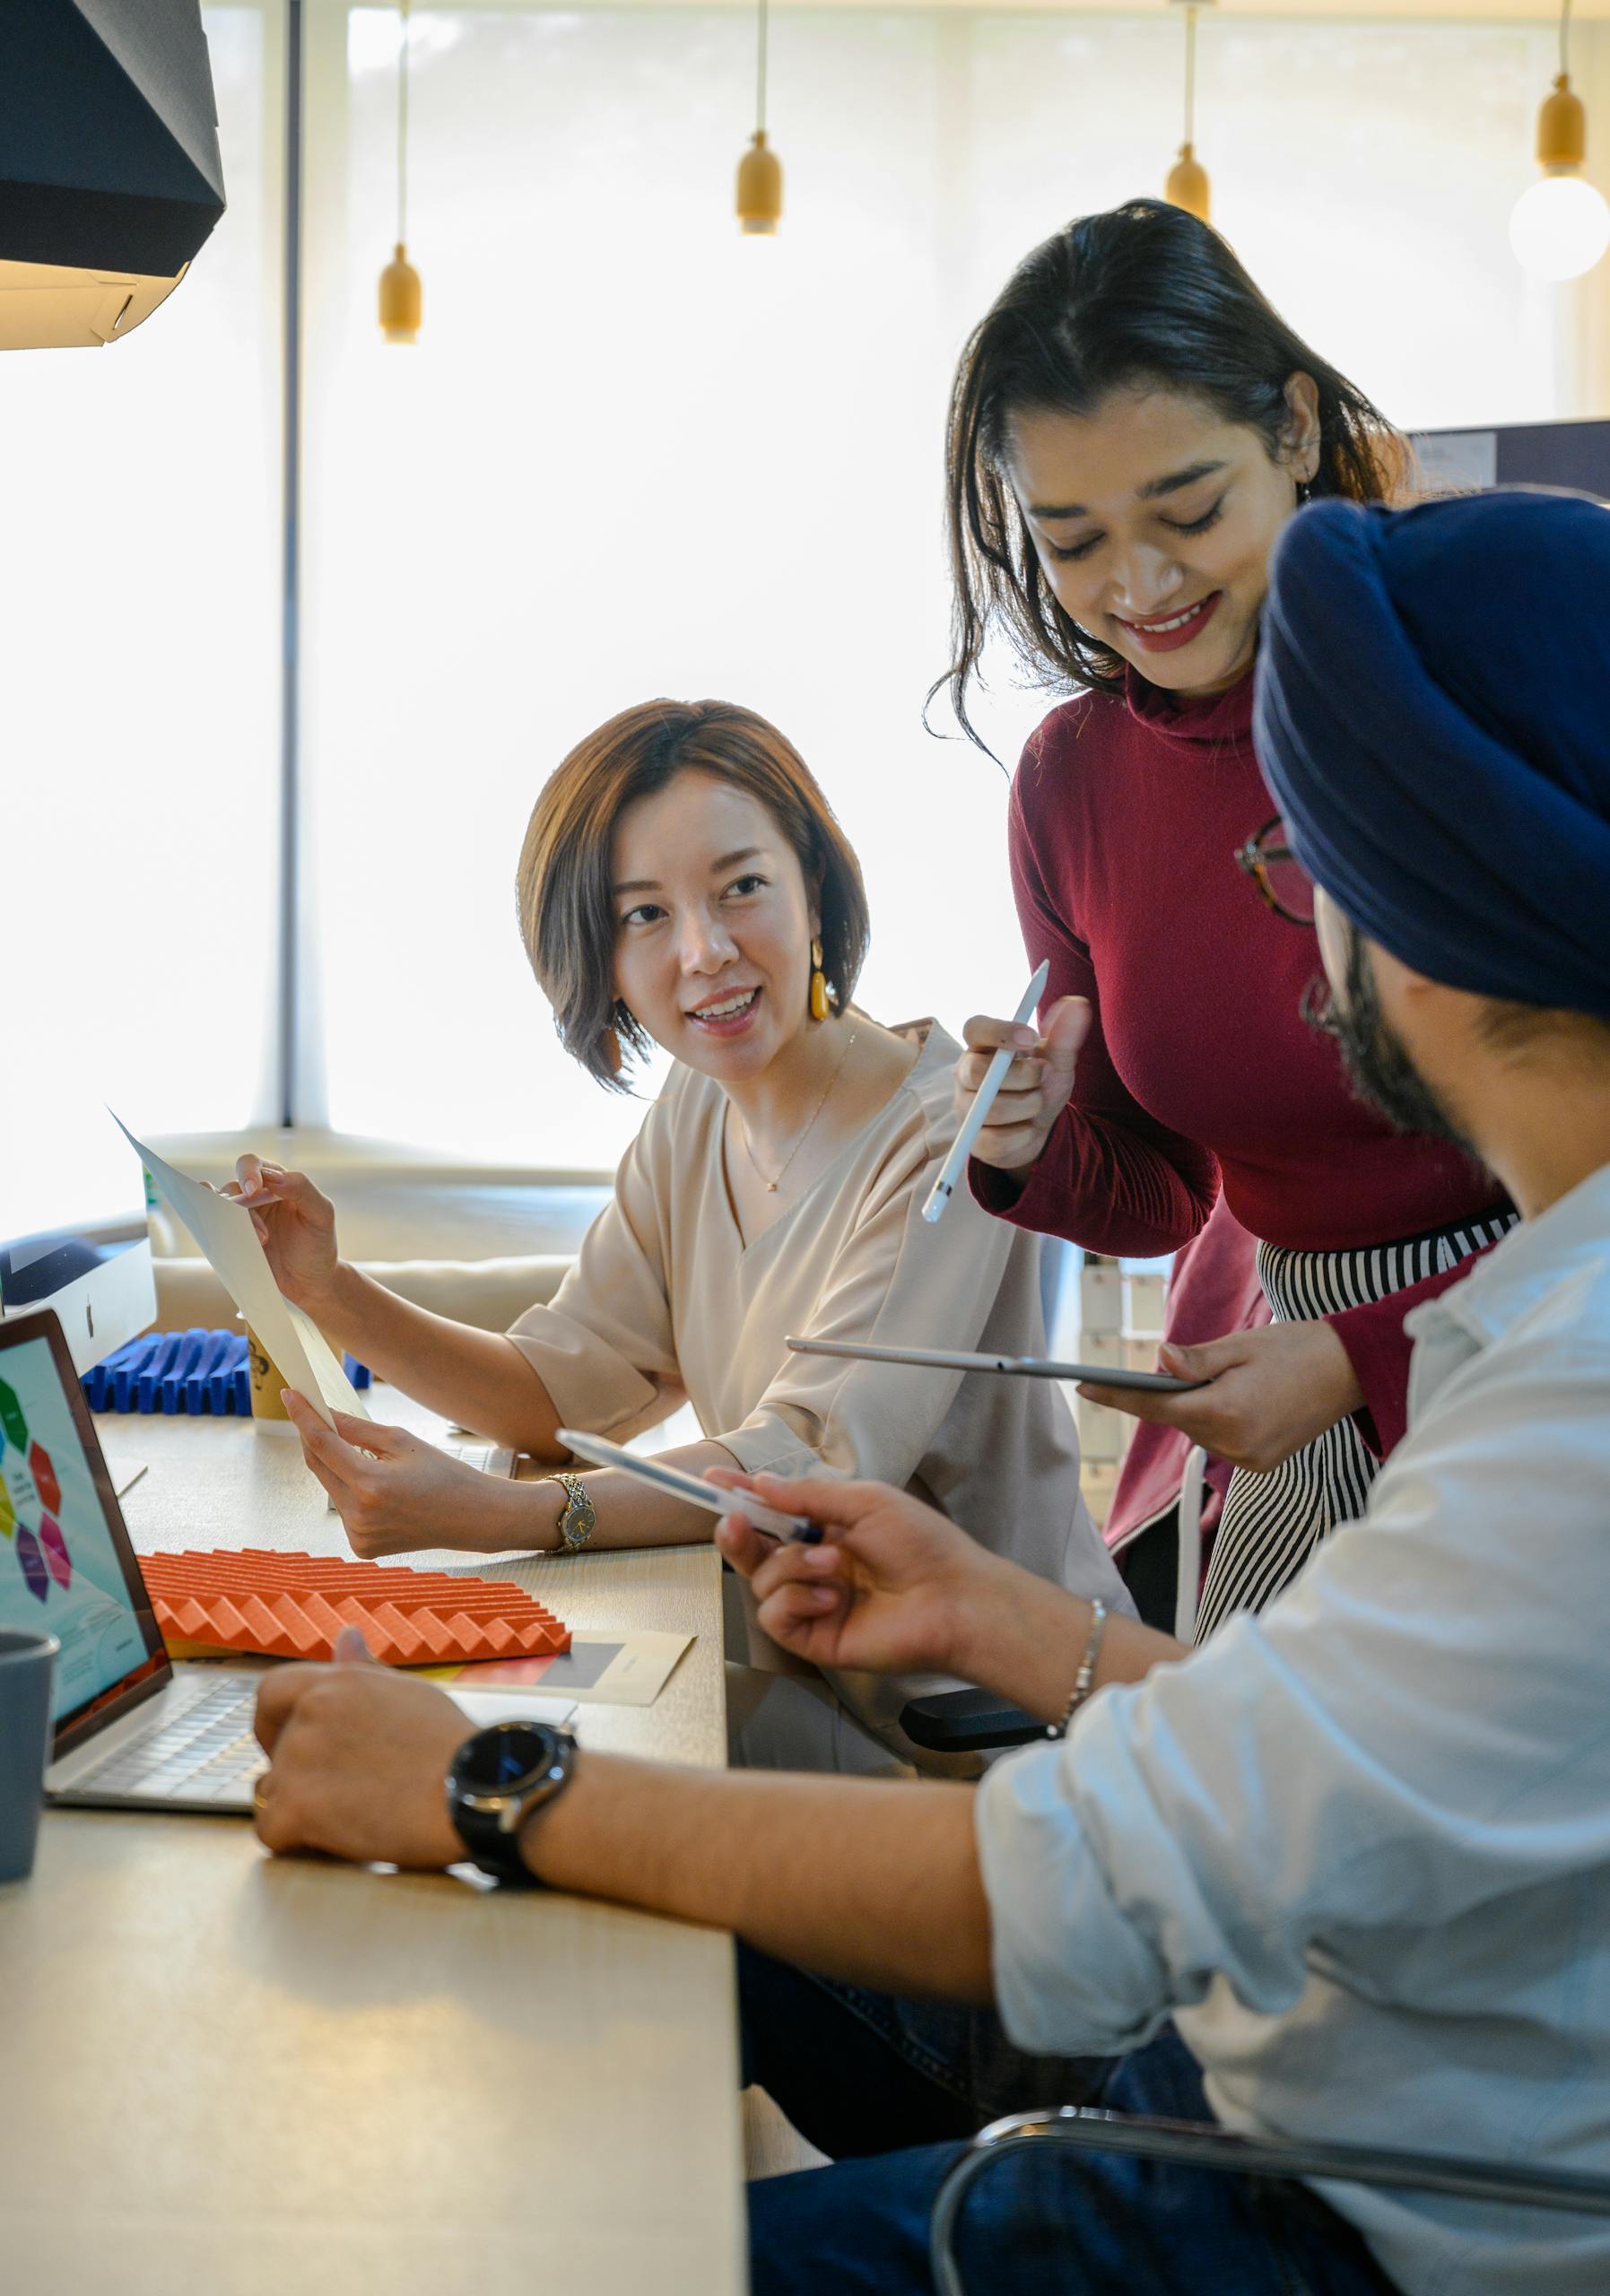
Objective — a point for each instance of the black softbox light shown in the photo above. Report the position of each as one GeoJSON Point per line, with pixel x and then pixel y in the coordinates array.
{"type": "Point", "coordinates": [109, 173]}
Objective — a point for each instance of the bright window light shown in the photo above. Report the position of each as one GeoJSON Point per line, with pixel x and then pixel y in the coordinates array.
{"type": "Point", "coordinates": [139, 594]}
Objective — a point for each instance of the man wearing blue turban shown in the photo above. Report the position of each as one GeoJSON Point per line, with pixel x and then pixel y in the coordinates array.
{"type": "Point", "coordinates": [1341, 1873]}
{"type": "Point", "coordinates": [1433, 717]}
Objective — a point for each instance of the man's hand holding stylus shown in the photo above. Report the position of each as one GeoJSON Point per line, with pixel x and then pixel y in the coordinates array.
{"type": "Point", "coordinates": [1036, 1087]}
{"type": "Point", "coordinates": [896, 1588]}
{"type": "Point", "coordinates": [888, 1588]}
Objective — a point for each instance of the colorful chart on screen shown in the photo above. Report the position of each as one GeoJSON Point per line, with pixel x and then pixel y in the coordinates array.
{"type": "Point", "coordinates": [57, 1570]}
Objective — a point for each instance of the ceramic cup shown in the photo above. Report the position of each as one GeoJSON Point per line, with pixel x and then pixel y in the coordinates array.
{"type": "Point", "coordinates": [27, 1667]}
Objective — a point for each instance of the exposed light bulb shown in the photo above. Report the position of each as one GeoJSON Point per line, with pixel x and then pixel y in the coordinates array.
{"type": "Point", "coordinates": [1560, 226]}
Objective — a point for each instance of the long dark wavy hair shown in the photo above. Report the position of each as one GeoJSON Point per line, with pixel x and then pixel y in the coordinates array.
{"type": "Point", "coordinates": [1141, 294]}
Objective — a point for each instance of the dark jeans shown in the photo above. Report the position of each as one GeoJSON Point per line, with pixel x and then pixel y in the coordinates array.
{"type": "Point", "coordinates": [887, 2087]}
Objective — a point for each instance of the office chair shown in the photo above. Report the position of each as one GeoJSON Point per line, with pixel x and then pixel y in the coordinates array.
{"type": "Point", "coordinates": [1201, 2145]}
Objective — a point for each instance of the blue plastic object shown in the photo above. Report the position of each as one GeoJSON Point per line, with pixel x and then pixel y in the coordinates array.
{"type": "Point", "coordinates": [170, 1372]}
{"type": "Point", "coordinates": [358, 1373]}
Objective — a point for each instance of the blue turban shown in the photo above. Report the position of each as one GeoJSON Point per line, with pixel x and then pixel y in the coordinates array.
{"type": "Point", "coordinates": [1433, 719]}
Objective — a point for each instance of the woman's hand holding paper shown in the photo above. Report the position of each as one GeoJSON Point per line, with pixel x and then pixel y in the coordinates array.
{"type": "Point", "coordinates": [397, 1494]}
{"type": "Point", "coordinates": [296, 1227]}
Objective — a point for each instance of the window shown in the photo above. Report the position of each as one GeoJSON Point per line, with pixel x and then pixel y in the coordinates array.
{"type": "Point", "coordinates": [631, 453]}
{"type": "Point", "coordinates": [139, 797]}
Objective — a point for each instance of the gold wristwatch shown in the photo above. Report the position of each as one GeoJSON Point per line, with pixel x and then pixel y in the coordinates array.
{"type": "Point", "coordinates": [577, 1517]}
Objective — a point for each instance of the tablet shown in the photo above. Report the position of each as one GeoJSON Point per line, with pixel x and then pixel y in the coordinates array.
{"type": "Point", "coordinates": [1025, 1366]}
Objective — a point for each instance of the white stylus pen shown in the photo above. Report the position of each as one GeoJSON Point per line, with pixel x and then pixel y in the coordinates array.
{"type": "Point", "coordinates": [692, 1488]}
{"type": "Point", "coordinates": [978, 1116]}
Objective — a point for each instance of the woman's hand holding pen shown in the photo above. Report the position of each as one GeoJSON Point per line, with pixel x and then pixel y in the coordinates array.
{"type": "Point", "coordinates": [296, 1227]}
{"type": "Point", "coordinates": [1036, 1087]}
{"type": "Point", "coordinates": [893, 1586]}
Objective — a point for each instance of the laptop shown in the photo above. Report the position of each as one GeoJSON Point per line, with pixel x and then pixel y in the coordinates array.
{"type": "Point", "coordinates": [130, 1727]}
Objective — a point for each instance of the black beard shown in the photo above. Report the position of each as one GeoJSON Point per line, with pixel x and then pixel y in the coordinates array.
{"type": "Point", "coordinates": [1378, 1069]}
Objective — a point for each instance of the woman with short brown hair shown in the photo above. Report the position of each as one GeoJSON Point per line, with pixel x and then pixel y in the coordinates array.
{"type": "Point", "coordinates": [683, 884]}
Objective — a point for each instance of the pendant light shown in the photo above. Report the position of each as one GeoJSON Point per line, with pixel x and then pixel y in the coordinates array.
{"type": "Point", "coordinates": [1188, 185]}
{"type": "Point", "coordinates": [760, 201]}
{"type": "Point", "coordinates": [401, 299]}
{"type": "Point", "coordinates": [1561, 226]}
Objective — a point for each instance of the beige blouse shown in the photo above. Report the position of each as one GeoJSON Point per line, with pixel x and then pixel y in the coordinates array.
{"type": "Point", "coordinates": [665, 1300]}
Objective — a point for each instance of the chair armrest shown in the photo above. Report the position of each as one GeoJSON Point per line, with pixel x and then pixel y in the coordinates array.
{"type": "Point", "coordinates": [1199, 2144]}
{"type": "Point", "coordinates": [967, 1722]}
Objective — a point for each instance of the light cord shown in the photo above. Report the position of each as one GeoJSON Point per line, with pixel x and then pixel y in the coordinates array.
{"type": "Point", "coordinates": [760, 73]}
{"type": "Point", "coordinates": [1565, 40]}
{"type": "Point", "coordinates": [1190, 74]}
{"type": "Point", "coordinates": [403, 126]}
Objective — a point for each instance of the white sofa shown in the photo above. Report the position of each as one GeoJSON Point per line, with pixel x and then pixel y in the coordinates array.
{"type": "Point", "coordinates": [477, 1242]}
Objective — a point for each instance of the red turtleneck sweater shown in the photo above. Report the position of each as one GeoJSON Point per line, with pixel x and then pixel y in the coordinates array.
{"type": "Point", "coordinates": [1200, 1071]}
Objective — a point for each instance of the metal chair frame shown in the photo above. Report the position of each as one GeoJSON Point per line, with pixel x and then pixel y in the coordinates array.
{"type": "Point", "coordinates": [1198, 2144]}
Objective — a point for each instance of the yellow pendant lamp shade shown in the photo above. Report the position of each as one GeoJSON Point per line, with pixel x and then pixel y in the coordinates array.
{"type": "Point", "coordinates": [1188, 185]}
{"type": "Point", "coordinates": [402, 298]}
{"type": "Point", "coordinates": [760, 195]}
{"type": "Point", "coordinates": [760, 202]}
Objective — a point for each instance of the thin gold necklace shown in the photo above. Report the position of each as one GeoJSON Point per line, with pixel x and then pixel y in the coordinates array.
{"type": "Point", "coordinates": [773, 1185]}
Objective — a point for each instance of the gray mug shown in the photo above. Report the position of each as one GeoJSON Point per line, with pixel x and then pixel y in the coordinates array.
{"type": "Point", "coordinates": [27, 1663]}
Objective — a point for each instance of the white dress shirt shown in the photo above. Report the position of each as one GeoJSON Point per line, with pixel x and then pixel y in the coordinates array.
{"type": "Point", "coordinates": [1359, 1847]}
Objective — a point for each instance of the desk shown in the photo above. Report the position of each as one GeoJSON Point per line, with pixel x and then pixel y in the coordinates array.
{"type": "Point", "coordinates": [282, 2078]}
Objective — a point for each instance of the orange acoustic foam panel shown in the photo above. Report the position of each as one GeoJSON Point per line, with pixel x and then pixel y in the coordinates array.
{"type": "Point", "coordinates": [294, 1606]}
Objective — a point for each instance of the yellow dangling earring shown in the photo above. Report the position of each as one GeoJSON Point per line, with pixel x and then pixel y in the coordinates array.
{"type": "Point", "coordinates": [612, 1053]}
{"type": "Point", "coordinates": [818, 1004]}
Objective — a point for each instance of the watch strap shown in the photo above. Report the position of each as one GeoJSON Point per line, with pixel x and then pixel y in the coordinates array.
{"type": "Point", "coordinates": [489, 1820]}
{"type": "Point", "coordinates": [578, 1518]}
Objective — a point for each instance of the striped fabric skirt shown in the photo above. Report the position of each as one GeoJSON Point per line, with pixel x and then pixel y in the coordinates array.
{"type": "Point", "coordinates": [1272, 1522]}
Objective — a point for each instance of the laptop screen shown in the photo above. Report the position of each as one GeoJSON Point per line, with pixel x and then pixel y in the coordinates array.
{"type": "Point", "coordinates": [66, 1566]}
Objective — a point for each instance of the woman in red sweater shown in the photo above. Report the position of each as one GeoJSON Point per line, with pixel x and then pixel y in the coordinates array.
{"type": "Point", "coordinates": [1131, 426]}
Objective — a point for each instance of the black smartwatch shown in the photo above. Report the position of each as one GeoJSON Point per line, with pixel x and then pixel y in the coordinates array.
{"type": "Point", "coordinates": [497, 1778]}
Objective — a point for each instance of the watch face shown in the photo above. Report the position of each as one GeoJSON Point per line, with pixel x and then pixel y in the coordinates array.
{"type": "Point", "coordinates": [498, 1759]}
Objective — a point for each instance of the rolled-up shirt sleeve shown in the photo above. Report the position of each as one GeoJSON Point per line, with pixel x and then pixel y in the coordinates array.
{"type": "Point", "coordinates": [1395, 1743]}
{"type": "Point", "coordinates": [604, 1348]}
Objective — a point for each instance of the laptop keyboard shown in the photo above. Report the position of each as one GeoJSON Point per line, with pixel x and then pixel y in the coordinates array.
{"type": "Point", "coordinates": [203, 1752]}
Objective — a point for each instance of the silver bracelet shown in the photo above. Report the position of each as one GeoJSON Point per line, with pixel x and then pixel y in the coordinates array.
{"type": "Point", "coordinates": [1086, 1674]}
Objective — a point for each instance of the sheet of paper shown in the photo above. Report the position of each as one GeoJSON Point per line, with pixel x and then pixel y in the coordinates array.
{"type": "Point", "coordinates": [226, 1235]}
{"type": "Point", "coordinates": [605, 1669]}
